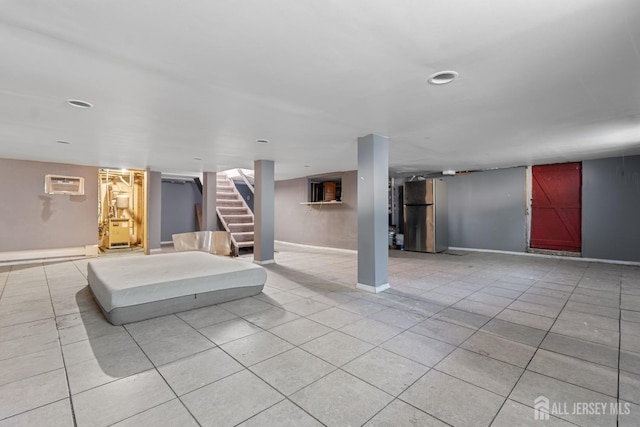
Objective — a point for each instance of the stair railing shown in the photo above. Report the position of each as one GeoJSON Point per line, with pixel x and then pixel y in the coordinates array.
{"type": "Point", "coordinates": [246, 180]}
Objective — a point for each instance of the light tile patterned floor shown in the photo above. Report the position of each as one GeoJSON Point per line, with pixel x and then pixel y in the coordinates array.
{"type": "Point", "coordinates": [470, 339]}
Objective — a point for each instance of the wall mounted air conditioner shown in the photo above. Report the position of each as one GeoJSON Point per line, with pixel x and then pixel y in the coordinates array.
{"type": "Point", "coordinates": [58, 184]}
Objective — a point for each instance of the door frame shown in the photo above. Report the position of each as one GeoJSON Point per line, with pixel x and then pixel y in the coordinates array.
{"type": "Point", "coordinates": [140, 198]}
{"type": "Point", "coordinates": [528, 199]}
{"type": "Point", "coordinates": [528, 182]}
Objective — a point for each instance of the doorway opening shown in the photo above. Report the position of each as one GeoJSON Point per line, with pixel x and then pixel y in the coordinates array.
{"type": "Point", "coordinates": [121, 209]}
{"type": "Point", "coordinates": [556, 209]}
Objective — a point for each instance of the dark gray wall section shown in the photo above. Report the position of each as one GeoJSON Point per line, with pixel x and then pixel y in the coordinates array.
{"type": "Point", "coordinates": [179, 208]}
{"type": "Point", "coordinates": [245, 192]}
{"type": "Point", "coordinates": [31, 219]}
{"type": "Point", "coordinates": [487, 210]}
{"type": "Point", "coordinates": [611, 208]}
{"type": "Point", "coordinates": [334, 226]}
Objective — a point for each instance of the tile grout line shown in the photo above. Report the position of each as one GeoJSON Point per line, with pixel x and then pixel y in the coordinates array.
{"type": "Point", "coordinates": [557, 379]}
{"type": "Point", "coordinates": [456, 347]}
{"type": "Point", "coordinates": [64, 362]}
{"type": "Point", "coordinates": [375, 346]}
{"type": "Point", "coordinates": [405, 389]}
{"type": "Point", "coordinates": [479, 330]}
{"type": "Point", "coordinates": [536, 350]}
{"type": "Point", "coordinates": [248, 368]}
{"type": "Point", "coordinates": [548, 331]}
{"type": "Point", "coordinates": [619, 350]}
{"type": "Point", "coordinates": [455, 324]}
{"type": "Point", "coordinates": [155, 368]}
{"type": "Point", "coordinates": [33, 409]}
{"type": "Point", "coordinates": [336, 368]}
{"type": "Point", "coordinates": [4, 284]}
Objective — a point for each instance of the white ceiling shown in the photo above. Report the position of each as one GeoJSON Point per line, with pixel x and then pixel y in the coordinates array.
{"type": "Point", "coordinates": [541, 81]}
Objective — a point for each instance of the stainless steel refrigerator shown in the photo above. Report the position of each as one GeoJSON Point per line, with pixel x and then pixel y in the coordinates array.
{"type": "Point", "coordinates": [425, 216]}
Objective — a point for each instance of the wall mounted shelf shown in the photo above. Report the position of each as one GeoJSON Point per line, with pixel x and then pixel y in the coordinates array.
{"type": "Point", "coordinates": [330, 202]}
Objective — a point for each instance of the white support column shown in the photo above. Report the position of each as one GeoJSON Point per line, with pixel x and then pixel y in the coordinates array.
{"type": "Point", "coordinates": [209, 190]}
{"type": "Point", "coordinates": [264, 212]}
{"type": "Point", "coordinates": [373, 214]}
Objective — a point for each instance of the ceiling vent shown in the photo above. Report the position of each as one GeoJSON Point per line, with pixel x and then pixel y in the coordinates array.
{"type": "Point", "coordinates": [79, 103]}
{"type": "Point", "coordinates": [443, 77]}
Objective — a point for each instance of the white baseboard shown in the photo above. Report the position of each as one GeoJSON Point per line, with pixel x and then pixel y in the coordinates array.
{"type": "Point", "coordinates": [350, 251]}
{"type": "Point", "coordinates": [532, 254]}
{"type": "Point", "coordinates": [373, 289]}
{"type": "Point", "coordinates": [91, 250]}
{"type": "Point", "coordinates": [47, 254]}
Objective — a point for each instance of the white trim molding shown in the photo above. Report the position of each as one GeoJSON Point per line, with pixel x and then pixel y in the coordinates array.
{"type": "Point", "coordinates": [46, 254]}
{"type": "Point", "coordinates": [300, 245]}
{"type": "Point", "coordinates": [373, 289]}
{"type": "Point", "coordinates": [532, 254]}
{"type": "Point", "coordinates": [264, 262]}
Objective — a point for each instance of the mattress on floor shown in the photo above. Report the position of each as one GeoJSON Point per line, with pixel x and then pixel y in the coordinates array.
{"type": "Point", "coordinates": [130, 289]}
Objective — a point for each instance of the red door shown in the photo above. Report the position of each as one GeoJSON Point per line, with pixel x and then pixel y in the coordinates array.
{"type": "Point", "coordinates": [556, 207]}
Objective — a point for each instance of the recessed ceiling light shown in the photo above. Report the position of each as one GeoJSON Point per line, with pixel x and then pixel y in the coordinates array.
{"type": "Point", "coordinates": [63, 142]}
{"type": "Point", "coordinates": [262, 141]}
{"type": "Point", "coordinates": [443, 77]}
{"type": "Point", "coordinates": [79, 103]}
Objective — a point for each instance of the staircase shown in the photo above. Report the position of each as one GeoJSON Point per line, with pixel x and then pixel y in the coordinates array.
{"type": "Point", "coordinates": [233, 212]}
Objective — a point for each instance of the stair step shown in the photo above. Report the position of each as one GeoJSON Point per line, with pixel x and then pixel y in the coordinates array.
{"type": "Point", "coordinates": [245, 244]}
{"type": "Point", "coordinates": [241, 227]}
{"type": "Point", "coordinates": [226, 196]}
{"type": "Point", "coordinates": [235, 219]}
{"type": "Point", "coordinates": [243, 237]}
{"type": "Point", "coordinates": [224, 211]}
{"type": "Point", "coordinates": [229, 203]}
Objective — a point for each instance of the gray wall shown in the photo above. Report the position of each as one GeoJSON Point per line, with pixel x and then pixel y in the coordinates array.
{"type": "Point", "coordinates": [245, 192]}
{"type": "Point", "coordinates": [487, 210]}
{"type": "Point", "coordinates": [611, 208]}
{"type": "Point", "coordinates": [321, 225]}
{"type": "Point", "coordinates": [178, 207]}
{"type": "Point", "coordinates": [31, 219]}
